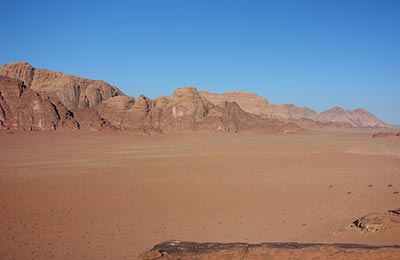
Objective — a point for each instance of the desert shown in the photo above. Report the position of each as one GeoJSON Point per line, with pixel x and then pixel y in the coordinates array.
{"type": "Point", "coordinates": [88, 172]}
{"type": "Point", "coordinates": [200, 130]}
{"type": "Point", "coordinates": [114, 195]}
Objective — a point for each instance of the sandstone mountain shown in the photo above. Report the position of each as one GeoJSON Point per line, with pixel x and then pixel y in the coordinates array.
{"type": "Point", "coordinates": [249, 102]}
{"type": "Point", "coordinates": [72, 91]}
{"type": "Point", "coordinates": [296, 112]}
{"type": "Point", "coordinates": [185, 110]}
{"type": "Point", "coordinates": [357, 118]}
{"type": "Point", "coordinates": [25, 109]}
{"type": "Point", "coordinates": [303, 116]}
{"type": "Point", "coordinates": [38, 99]}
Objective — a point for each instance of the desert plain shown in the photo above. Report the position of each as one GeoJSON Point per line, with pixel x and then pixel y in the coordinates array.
{"type": "Point", "coordinates": [113, 195]}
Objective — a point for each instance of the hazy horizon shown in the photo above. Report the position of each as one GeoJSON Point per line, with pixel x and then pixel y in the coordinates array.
{"type": "Point", "coordinates": [314, 54]}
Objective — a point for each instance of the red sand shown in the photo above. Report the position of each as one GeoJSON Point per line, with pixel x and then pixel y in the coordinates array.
{"type": "Point", "coordinates": [115, 195]}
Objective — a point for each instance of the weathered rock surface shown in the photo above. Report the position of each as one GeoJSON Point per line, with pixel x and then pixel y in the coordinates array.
{"type": "Point", "coordinates": [240, 251]}
{"type": "Point", "coordinates": [72, 91]}
{"type": "Point", "coordinates": [44, 100]}
{"type": "Point", "coordinates": [19, 70]}
{"type": "Point", "coordinates": [186, 110]}
{"type": "Point", "coordinates": [357, 118]}
{"type": "Point", "coordinates": [114, 110]}
{"type": "Point", "coordinates": [301, 112]}
{"type": "Point", "coordinates": [376, 222]}
{"type": "Point", "coordinates": [335, 117]}
{"type": "Point", "coordinates": [89, 119]}
{"type": "Point", "coordinates": [249, 102]}
{"type": "Point", "coordinates": [24, 109]}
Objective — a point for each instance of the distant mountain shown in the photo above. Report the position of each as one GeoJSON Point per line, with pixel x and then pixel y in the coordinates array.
{"type": "Point", "coordinates": [249, 102]}
{"type": "Point", "coordinates": [357, 118]}
{"type": "Point", "coordinates": [354, 118]}
{"type": "Point", "coordinates": [296, 112]}
{"type": "Point", "coordinates": [38, 99]}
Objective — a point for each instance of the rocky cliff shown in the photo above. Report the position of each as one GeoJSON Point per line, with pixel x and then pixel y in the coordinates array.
{"type": "Point", "coordinates": [249, 102]}
{"type": "Point", "coordinates": [71, 91]}
{"type": "Point", "coordinates": [24, 109]}
{"type": "Point", "coordinates": [38, 99]}
{"type": "Point", "coordinates": [185, 110]}
{"type": "Point", "coordinates": [296, 112]}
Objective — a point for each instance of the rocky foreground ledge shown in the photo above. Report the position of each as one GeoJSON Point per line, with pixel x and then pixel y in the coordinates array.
{"type": "Point", "coordinates": [235, 251]}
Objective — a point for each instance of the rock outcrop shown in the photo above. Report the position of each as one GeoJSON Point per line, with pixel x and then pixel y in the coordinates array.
{"type": "Point", "coordinates": [89, 119]}
{"type": "Point", "coordinates": [71, 91]}
{"type": "Point", "coordinates": [249, 102]}
{"type": "Point", "coordinates": [376, 222]}
{"type": "Point", "coordinates": [174, 249]}
{"type": "Point", "coordinates": [186, 110]}
{"type": "Point", "coordinates": [296, 112]}
{"type": "Point", "coordinates": [22, 108]}
{"type": "Point", "coordinates": [114, 110]}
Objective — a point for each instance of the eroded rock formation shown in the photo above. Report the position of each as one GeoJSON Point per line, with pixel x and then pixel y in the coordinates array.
{"type": "Point", "coordinates": [301, 112]}
{"type": "Point", "coordinates": [72, 91]}
{"type": "Point", "coordinates": [24, 109]}
{"type": "Point", "coordinates": [375, 222]}
{"type": "Point", "coordinates": [185, 110]}
{"type": "Point", "coordinates": [249, 102]}
{"type": "Point", "coordinates": [38, 99]}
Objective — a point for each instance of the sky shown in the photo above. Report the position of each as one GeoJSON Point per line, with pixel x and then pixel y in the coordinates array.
{"type": "Point", "coordinates": [311, 53]}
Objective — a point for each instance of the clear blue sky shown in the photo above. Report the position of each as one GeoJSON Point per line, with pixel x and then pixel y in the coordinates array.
{"type": "Point", "coordinates": [316, 53]}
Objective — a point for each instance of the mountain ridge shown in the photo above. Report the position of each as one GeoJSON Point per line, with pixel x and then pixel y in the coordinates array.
{"type": "Point", "coordinates": [58, 101]}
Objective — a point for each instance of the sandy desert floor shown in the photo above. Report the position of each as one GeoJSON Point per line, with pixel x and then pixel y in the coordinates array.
{"type": "Point", "coordinates": [115, 195]}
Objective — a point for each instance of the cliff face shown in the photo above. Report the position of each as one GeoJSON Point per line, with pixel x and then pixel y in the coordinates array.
{"type": "Point", "coordinates": [38, 99]}
{"type": "Point", "coordinates": [25, 109]}
{"type": "Point", "coordinates": [249, 102]}
{"type": "Point", "coordinates": [71, 91]}
{"type": "Point", "coordinates": [186, 110]}
{"type": "Point", "coordinates": [301, 112]}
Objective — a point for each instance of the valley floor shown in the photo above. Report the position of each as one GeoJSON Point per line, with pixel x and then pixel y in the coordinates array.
{"type": "Point", "coordinates": [113, 195]}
